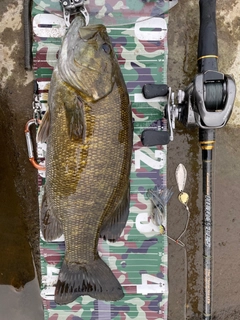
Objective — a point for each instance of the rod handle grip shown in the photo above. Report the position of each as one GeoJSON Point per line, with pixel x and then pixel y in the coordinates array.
{"type": "Point", "coordinates": [207, 43]}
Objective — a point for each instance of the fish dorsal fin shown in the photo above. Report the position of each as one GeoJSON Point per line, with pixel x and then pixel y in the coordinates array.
{"type": "Point", "coordinates": [43, 130]}
{"type": "Point", "coordinates": [76, 119]}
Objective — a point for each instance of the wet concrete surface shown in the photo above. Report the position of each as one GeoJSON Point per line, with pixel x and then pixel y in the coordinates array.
{"type": "Point", "coordinates": [16, 92]}
{"type": "Point", "coordinates": [21, 305]}
{"type": "Point", "coordinates": [185, 281]}
{"type": "Point", "coordinates": [19, 239]}
{"type": "Point", "coordinates": [17, 266]}
{"type": "Point", "coordinates": [182, 41]}
{"type": "Point", "coordinates": [226, 228]}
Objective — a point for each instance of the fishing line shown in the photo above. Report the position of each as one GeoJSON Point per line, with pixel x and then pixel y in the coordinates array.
{"type": "Point", "coordinates": [213, 96]}
{"type": "Point", "coordinates": [183, 197]}
{"type": "Point", "coordinates": [179, 242]}
{"type": "Point", "coordinates": [159, 199]}
{"type": "Point", "coordinates": [183, 245]}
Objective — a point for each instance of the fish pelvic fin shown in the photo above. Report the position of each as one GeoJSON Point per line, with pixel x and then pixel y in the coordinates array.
{"type": "Point", "coordinates": [94, 279]}
{"type": "Point", "coordinates": [113, 226]}
{"type": "Point", "coordinates": [50, 226]}
{"type": "Point", "coordinates": [76, 119]}
{"type": "Point", "coordinates": [43, 130]}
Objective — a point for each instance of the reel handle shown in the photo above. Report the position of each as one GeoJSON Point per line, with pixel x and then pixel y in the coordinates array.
{"type": "Point", "coordinates": [152, 136]}
{"type": "Point", "coordinates": [152, 90]}
{"type": "Point", "coordinates": [207, 43]}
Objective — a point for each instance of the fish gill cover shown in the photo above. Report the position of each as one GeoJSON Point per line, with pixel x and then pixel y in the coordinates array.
{"type": "Point", "coordinates": [138, 258]}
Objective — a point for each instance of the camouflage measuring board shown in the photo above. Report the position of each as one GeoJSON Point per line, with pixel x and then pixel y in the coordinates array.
{"type": "Point", "coordinates": [139, 258]}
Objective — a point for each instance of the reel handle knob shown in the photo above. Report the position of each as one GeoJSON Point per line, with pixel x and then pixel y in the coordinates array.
{"type": "Point", "coordinates": [151, 137]}
{"type": "Point", "coordinates": [153, 90]}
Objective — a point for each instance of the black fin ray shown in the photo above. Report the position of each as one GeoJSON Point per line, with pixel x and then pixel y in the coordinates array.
{"type": "Point", "coordinates": [94, 279]}
{"type": "Point", "coordinates": [76, 119]}
{"type": "Point", "coordinates": [50, 226]}
{"type": "Point", "coordinates": [113, 226]}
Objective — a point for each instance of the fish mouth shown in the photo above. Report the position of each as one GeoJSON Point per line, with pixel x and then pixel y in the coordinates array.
{"type": "Point", "coordinates": [88, 32]}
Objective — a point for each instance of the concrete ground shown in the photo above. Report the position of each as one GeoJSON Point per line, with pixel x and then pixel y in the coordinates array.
{"type": "Point", "coordinates": [182, 42]}
{"type": "Point", "coordinates": [19, 239]}
{"type": "Point", "coordinates": [185, 284]}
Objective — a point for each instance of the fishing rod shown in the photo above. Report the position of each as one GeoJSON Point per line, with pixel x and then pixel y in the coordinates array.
{"type": "Point", "coordinates": [207, 103]}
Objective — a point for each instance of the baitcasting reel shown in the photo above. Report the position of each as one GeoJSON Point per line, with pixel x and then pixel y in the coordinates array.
{"type": "Point", "coordinates": [207, 103]}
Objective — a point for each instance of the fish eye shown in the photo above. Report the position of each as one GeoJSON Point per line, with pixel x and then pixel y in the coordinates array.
{"type": "Point", "coordinates": [106, 48]}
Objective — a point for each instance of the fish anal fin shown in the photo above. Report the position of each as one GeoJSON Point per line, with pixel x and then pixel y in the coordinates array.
{"type": "Point", "coordinates": [113, 226]}
{"type": "Point", "coordinates": [50, 226]}
{"type": "Point", "coordinates": [43, 130]}
{"type": "Point", "coordinates": [94, 279]}
{"type": "Point", "coordinates": [75, 119]}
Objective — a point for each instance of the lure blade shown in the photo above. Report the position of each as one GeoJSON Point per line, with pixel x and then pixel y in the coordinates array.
{"type": "Point", "coordinates": [181, 176]}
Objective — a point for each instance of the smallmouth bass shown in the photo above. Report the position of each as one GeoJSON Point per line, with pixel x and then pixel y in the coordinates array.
{"type": "Point", "coordinates": [88, 129]}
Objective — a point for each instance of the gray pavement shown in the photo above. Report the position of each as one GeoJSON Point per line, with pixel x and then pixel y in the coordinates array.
{"type": "Point", "coordinates": [25, 304]}
{"type": "Point", "coordinates": [182, 42]}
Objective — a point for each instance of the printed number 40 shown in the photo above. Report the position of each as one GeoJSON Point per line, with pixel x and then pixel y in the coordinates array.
{"type": "Point", "coordinates": [157, 285]}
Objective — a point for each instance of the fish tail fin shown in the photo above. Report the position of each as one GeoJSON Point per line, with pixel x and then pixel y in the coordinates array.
{"type": "Point", "coordinates": [94, 279]}
{"type": "Point", "coordinates": [50, 226]}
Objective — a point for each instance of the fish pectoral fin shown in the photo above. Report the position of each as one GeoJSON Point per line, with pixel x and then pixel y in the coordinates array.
{"type": "Point", "coordinates": [94, 279]}
{"type": "Point", "coordinates": [43, 130]}
{"type": "Point", "coordinates": [76, 119]}
{"type": "Point", "coordinates": [50, 226]}
{"type": "Point", "coordinates": [113, 226]}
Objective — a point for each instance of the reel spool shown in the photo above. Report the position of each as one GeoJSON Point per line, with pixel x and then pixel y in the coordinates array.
{"type": "Point", "coordinates": [207, 102]}
{"type": "Point", "coordinates": [213, 96]}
